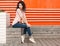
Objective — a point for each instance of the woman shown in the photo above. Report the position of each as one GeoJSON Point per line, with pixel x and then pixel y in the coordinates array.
{"type": "Point", "coordinates": [20, 21]}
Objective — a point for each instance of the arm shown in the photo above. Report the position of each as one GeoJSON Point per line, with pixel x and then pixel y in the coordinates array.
{"type": "Point", "coordinates": [25, 20]}
{"type": "Point", "coordinates": [23, 17]}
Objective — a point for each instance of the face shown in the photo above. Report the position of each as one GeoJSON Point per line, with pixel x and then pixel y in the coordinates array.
{"type": "Point", "coordinates": [20, 6]}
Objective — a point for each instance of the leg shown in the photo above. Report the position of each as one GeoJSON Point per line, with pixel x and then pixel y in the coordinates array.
{"type": "Point", "coordinates": [30, 34]}
{"type": "Point", "coordinates": [20, 25]}
{"type": "Point", "coordinates": [27, 30]}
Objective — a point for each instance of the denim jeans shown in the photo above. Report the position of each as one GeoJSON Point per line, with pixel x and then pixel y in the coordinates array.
{"type": "Point", "coordinates": [23, 25]}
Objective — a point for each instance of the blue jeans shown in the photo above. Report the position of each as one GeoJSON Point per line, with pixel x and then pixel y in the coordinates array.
{"type": "Point", "coordinates": [23, 25]}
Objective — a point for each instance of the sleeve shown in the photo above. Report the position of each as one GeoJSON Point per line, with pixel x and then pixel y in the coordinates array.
{"type": "Point", "coordinates": [19, 13]}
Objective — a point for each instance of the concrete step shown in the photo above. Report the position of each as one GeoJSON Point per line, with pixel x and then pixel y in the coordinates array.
{"type": "Point", "coordinates": [37, 31]}
{"type": "Point", "coordinates": [47, 29]}
{"type": "Point", "coordinates": [14, 34]}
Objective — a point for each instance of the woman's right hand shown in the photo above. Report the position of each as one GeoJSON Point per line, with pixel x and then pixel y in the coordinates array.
{"type": "Point", "coordinates": [28, 25]}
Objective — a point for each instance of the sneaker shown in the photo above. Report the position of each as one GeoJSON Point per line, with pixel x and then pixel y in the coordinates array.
{"type": "Point", "coordinates": [32, 40]}
{"type": "Point", "coordinates": [22, 38]}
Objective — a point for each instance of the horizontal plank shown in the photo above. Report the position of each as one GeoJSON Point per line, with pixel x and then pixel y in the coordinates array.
{"type": "Point", "coordinates": [48, 9]}
{"type": "Point", "coordinates": [32, 9]}
{"type": "Point", "coordinates": [31, 20]}
{"type": "Point", "coordinates": [8, 4]}
{"type": "Point", "coordinates": [13, 10]}
{"type": "Point", "coordinates": [43, 23]}
{"type": "Point", "coordinates": [38, 16]}
{"type": "Point", "coordinates": [38, 11]}
{"type": "Point", "coordinates": [35, 13]}
{"type": "Point", "coordinates": [41, 18]}
{"type": "Point", "coordinates": [8, 1]}
{"type": "Point", "coordinates": [8, 9]}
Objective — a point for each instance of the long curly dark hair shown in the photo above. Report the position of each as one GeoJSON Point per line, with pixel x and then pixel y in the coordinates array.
{"type": "Point", "coordinates": [23, 4]}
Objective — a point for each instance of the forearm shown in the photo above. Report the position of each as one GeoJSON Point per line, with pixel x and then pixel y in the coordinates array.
{"type": "Point", "coordinates": [25, 20]}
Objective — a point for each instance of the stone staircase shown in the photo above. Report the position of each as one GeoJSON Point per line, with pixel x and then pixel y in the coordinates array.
{"type": "Point", "coordinates": [44, 35]}
{"type": "Point", "coordinates": [46, 31]}
{"type": "Point", "coordinates": [37, 31]}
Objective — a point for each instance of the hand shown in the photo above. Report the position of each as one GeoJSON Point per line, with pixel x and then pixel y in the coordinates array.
{"type": "Point", "coordinates": [28, 25]}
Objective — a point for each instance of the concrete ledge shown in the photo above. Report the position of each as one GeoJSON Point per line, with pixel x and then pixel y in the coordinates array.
{"type": "Point", "coordinates": [38, 31]}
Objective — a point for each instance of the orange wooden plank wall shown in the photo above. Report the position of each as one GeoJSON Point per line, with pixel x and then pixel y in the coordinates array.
{"type": "Point", "coordinates": [45, 4]}
{"type": "Point", "coordinates": [39, 12]}
{"type": "Point", "coordinates": [42, 3]}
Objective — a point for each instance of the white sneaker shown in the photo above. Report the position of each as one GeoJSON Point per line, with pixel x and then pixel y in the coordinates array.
{"type": "Point", "coordinates": [22, 38]}
{"type": "Point", "coordinates": [32, 39]}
